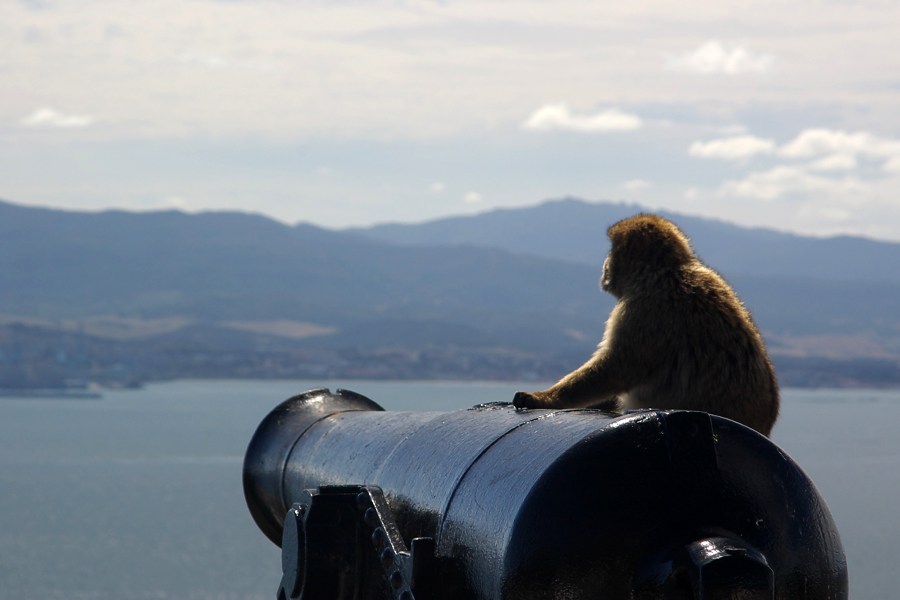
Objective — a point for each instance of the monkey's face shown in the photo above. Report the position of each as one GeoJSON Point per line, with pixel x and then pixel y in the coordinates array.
{"type": "Point", "coordinates": [607, 283]}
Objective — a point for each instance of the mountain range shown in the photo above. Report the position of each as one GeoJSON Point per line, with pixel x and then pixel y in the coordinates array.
{"type": "Point", "coordinates": [574, 230]}
{"type": "Point", "coordinates": [506, 294]}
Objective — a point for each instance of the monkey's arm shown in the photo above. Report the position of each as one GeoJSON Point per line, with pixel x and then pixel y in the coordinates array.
{"type": "Point", "coordinates": [598, 381]}
{"type": "Point", "coordinates": [589, 385]}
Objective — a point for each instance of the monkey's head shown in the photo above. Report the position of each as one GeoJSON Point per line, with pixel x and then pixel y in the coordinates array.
{"type": "Point", "coordinates": [641, 245]}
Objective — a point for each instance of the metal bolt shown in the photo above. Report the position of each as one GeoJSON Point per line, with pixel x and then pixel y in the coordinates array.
{"type": "Point", "coordinates": [387, 557]}
{"type": "Point", "coordinates": [396, 579]}
{"type": "Point", "coordinates": [371, 517]}
{"type": "Point", "coordinates": [379, 538]}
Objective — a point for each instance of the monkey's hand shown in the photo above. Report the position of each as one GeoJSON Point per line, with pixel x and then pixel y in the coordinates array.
{"type": "Point", "coordinates": [531, 400]}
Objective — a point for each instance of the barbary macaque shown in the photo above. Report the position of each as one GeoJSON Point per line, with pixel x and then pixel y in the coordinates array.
{"type": "Point", "coordinates": [677, 338]}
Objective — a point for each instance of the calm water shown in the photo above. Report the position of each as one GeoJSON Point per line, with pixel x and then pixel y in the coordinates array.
{"type": "Point", "coordinates": [138, 495]}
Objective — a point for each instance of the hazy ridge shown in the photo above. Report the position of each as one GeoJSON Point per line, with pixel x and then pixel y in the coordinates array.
{"type": "Point", "coordinates": [117, 296]}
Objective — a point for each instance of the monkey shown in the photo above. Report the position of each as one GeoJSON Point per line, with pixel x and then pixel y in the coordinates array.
{"type": "Point", "coordinates": [678, 337]}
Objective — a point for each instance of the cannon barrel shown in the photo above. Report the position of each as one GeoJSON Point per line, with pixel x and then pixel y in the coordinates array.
{"type": "Point", "coordinates": [493, 503]}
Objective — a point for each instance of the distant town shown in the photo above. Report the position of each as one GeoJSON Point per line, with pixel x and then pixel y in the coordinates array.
{"type": "Point", "coordinates": [41, 362]}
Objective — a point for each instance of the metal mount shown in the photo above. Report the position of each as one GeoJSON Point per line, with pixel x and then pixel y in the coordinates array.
{"type": "Point", "coordinates": [340, 538]}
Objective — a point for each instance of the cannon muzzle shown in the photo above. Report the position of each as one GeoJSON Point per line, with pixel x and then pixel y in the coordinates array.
{"type": "Point", "coordinates": [496, 503]}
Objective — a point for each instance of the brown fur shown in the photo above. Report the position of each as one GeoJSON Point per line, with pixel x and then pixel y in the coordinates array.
{"type": "Point", "coordinates": [678, 337]}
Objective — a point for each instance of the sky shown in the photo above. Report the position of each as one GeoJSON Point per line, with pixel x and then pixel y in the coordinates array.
{"type": "Point", "coordinates": [772, 113]}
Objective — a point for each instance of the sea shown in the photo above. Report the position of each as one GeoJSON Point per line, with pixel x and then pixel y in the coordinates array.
{"type": "Point", "coordinates": [138, 494]}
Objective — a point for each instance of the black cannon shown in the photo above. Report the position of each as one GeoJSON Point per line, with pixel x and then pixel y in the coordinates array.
{"type": "Point", "coordinates": [495, 503]}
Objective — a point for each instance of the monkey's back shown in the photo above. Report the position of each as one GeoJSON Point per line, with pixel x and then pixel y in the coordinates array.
{"type": "Point", "coordinates": [701, 350]}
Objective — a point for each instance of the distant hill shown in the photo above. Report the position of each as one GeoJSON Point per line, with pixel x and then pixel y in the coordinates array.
{"type": "Point", "coordinates": [232, 266]}
{"type": "Point", "coordinates": [794, 284]}
{"type": "Point", "coordinates": [575, 231]}
{"type": "Point", "coordinates": [507, 294]}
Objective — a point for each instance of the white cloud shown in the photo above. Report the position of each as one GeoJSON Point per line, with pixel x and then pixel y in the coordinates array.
{"type": "Point", "coordinates": [835, 162]}
{"type": "Point", "coordinates": [636, 185]}
{"type": "Point", "coordinates": [839, 150]}
{"type": "Point", "coordinates": [48, 117]}
{"type": "Point", "coordinates": [732, 148]}
{"type": "Point", "coordinates": [217, 61]}
{"type": "Point", "coordinates": [787, 180]}
{"type": "Point", "coordinates": [210, 61]}
{"type": "Point", "coordinates": [559, 117]}
{"type": "Point", "coordinates": [713, 57]}
{"type": "Point", "coordinates": [817, 142]}
{"type": "Point", "coordinates": [472, 198]}
{"type": "Point", "coordinates": [177, 202]}
{"type": "Point", "coordinates": [835, 150]}
{"type": "Point", "coordinates": [438, 187]}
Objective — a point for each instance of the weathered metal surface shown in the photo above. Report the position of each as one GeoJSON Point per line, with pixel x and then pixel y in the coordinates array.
{"type": "Point", "coordinates": [551, 504]}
